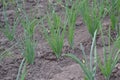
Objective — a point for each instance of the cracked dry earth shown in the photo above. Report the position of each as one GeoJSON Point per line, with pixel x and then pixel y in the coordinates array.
{"type": "Point", "coordinates": [45, 66]}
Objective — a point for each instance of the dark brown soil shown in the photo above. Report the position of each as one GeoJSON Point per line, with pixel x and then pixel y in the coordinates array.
{"type": "Point", "coordinates": [46, 66]}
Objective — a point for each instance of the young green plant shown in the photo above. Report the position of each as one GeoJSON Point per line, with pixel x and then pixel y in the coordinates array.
{"type": "Point", "coordinates": [9, 30]}
{"type": "Point", "coordinates": [28, 47]}
{"type": "Point", "coordinates": [89, 68]}
{"type": "Point", "coordinates": [91, 13]}
{"type": "Point", "coordinates": [110, 58]}
{"type": "Point", "coordinates": [27, 42]}
{"type": "Point", "coordinates": [71, 15]}
{"type": "Point", "coordinates": [109, 63]}
{"type": "Point", "coordinates": [114, 15]}
{"type": "Point", "coordinates": [55, 33]}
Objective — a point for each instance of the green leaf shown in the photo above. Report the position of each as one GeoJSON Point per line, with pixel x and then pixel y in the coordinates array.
{"type": "Point", "coordinates": [29, 53]}
{"type": "Point", "coordinates": [82, 65]}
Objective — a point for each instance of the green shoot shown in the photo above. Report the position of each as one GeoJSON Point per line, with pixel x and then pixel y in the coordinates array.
{"type": "Point", "coordinates": [114, 14]}
{"type": "Point", "coordinates": [29, 50]}
{"type": "Point", "coordinates": [71, 15]}
{"type": "Point", "coordinates": [55, 35]}
{"type": "Point", "coordinates": [91, 14]}
{"type": "Point", "coordinates": [29, 26]}
{"type": "Point", "coordinates": [109, 60]}
{"type": "Point", "coordinates": [28, 42]}
{"type": "Point", "coordinates": [9, 30]}
{"type": "Point", "coordinates": [24, 72]}
{"type": "Point", "coordinates": [20, 69]}
{"type": "Point", "coordinates": [88, 68]}
{"type": "Point", "coordinates": [109, 64]}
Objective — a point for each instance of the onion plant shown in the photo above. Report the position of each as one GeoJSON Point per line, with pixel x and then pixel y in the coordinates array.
{"type": "Point", "coordinates": [91, 13]}
{"type": "Point", "coordinates": [28, 43]}
{"type": "Point", "coordinates": [114, 15]}
{"type": "Point", "coordinates": [71, 15]}
{"type": "Point", "coordinates": [9, 31]}
{"type": "Point", "coordinates": [109, 62]}
{"type": "Point", "coordinates": [110, 58]}
{"type": "Point", "coordinates": [28, 40]}
{"type": "Point", "coordinates": [55, 33]}
{"type": "Point", "coordinates": [88, 67]}
{"type": "Point", "coordinates": [28, 48]}
{"type": "Point", "coordinates": [29, 26]}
